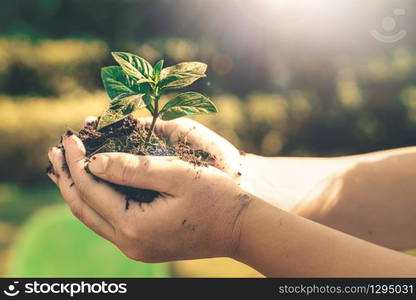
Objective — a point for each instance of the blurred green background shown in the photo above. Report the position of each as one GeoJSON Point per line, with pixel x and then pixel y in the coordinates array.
{"type": "Point", "coordinates": [289, 78]}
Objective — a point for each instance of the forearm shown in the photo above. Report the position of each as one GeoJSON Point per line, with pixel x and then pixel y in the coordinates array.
{"type": "Point", "coordinates": [277, 244]}
{"type": "Point", "coordinates": [373, 199]}
{"type": "Point", "coordinates": [287, 182]}
{"type": "Point", "coordinates": [370, 196]}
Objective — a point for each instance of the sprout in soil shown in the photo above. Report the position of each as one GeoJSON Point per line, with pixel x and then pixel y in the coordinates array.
{"type": "Point", "coordinates": [135, 84]}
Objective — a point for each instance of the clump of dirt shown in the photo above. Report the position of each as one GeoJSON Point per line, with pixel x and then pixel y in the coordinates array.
{"type": "Point", "coordinates": [128, 136]}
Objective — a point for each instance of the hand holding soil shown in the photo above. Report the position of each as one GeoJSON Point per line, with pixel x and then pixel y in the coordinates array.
{"type": "Point", "coordinates": [224, 155]}
{"type": "Point", "coordinates": [136, 84]}
{"type": "Point", "coordinates": [227, 157]}
{"type": "Point", "coordinates": [197, 214]}
{"type": "Point", "coordinates": [201, 212]}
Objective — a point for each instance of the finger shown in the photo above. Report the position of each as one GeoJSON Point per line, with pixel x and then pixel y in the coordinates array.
{"type": "Point", "coordinates": [78, 207]}
{"type": "Point", "coordinates": [172, 130]}
{"type": "Point", "coordinates": [162, 174]}
{"type": "Point", "coordinates": [51, 170]}
{"type": "Point", "coordinates": [53, 178]}
{"type": "Point", "coordinates": [105, 200]}
{"type": "Point", "coordinates": [202, 138]}
{"type": "Point", "coordinates": [197, 135]}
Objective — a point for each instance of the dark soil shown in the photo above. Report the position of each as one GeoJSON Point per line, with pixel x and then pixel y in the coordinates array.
{"type": "Point", "coordinates": [129, 136]}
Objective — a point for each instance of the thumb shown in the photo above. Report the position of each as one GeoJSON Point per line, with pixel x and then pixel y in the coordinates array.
{"type": "Point", "coordinates": [159, 173]}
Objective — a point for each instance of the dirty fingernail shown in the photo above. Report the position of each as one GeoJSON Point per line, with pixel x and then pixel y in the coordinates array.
{"type": "Point", "coordinates": [98, 163]}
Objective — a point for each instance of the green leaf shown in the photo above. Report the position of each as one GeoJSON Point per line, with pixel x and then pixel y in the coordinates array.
{"type": "Point", "coordinates": [134, 65]}
{"type": "Point", "coordinates": [158, 68]}
{"type": "Point", "coordinates": [179, 80]}
{"type": "Point", "coordinates": [116, 82]}
{"type": "Point", "coordinates": [120, 107]}
{"type": "Point", "coordinates": [192, 66]}
{"type": "Point", "coordinates": [185, 104]}
{"type": "Point", "coordinates": [148, 99]}
{"type": "Point", "coordinates": [143, 80]}
{"type": "Point", "coordinates": [181, 75]}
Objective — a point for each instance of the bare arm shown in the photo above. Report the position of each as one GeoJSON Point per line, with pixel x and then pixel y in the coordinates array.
{"type": "Point", "coordinates": [203, 213]}
{"type": "Point", "coordinates": [371, 196]}
{"type": "Point", "coordinates": [279, 244]}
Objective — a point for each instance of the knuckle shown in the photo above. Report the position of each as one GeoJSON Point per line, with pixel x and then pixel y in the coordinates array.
{"type": "Point", "coordinates": [128, 169]}
{"type": "Point", "coordinates": [145, 162]}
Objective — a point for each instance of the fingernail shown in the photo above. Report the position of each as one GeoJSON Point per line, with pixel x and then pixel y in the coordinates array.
{"type": "Point", "coordinates": [98, 163]}
{"type": "Point", "coordinates": [51, 155]}
{"type": "Point", "coordinates": [66, 137]}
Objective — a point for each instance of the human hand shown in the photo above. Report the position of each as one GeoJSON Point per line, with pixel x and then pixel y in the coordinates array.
{"type": "Point", "coordinates": [227, 157]}
{"type": "Point", "coordinates": [197, 215]}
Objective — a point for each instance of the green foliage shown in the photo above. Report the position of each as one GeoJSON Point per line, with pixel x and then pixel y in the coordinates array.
{"type": "Point", "coordinates": [134, 66]}
{"type": "Point", "coordinates": [158, 69]}
{"type": "Point", "coordinates": [55, 244]}
{"type": "Point", "coordinates": [136, 84]}
{"type": "Point", "coordinates": [116, 83]}
{"type": "Point", "coordinates": [120, 107]}
{"type": "Point", "coordinates": [189, 103]}
{"type": "Point", "coordinates": [181, 75]}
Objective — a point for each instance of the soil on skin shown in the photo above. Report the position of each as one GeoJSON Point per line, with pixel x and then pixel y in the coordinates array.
{"type": "Point", "coordinates": [129, 136]}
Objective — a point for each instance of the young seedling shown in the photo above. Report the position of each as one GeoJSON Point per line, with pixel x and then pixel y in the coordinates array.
{"type": "Point", "coordinates": [135, 84]}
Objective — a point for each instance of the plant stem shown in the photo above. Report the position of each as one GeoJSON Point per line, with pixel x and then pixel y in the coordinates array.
{"type": "Point", "coordinates": [155, 116]}
{"type": "Point", "coordinates": [152, 128]}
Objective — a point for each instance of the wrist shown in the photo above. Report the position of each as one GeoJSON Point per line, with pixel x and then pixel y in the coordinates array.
{"type": "Point", "coordinates": [264, 238]}
{"type": "Point", "coordinates": [254, 179]}
{"type": "Point", "coordinates": [248, 220]}
{"type": "Point", "coordinates": [267, 178]}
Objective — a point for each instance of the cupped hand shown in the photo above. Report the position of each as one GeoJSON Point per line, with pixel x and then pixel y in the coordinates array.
{"type": "Point", "coordinates": [198, 214]}
{"type": "Point", "coordinates": [227, 157]}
